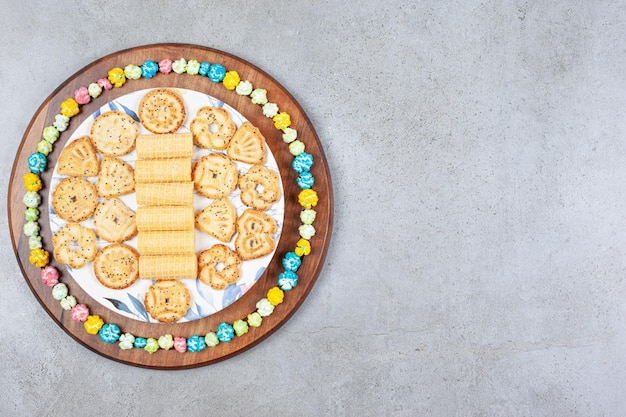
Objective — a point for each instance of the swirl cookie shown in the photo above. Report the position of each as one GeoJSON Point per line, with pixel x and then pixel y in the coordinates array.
{"type": "Point", "coordinates": [74, 199]}
{"type": "Point", "coordinates": [167, 301]}
{"type": "Point", "coordinates": [212, 128]}
{"type": "Point", "coordinates": [74, 245]}
{"type": "Point", "coordinates": [161, 111]}
{"type": "Point", "coordinates": [259, 187]}
{"type": "Point", "coordinates": [113, 133]}
{"type": "Point", "coordinates": [79, 159]}
{"type": "Point", "coordinates": [116, 266]}
{"type": "Point", "coordinates": [219, 267]}
{"type": "Point", "coordinates": [114, 221]}
{"type": "Point", "coordinates": [215, 176]}
{"type": "Point", "coordinates": [255, 234]}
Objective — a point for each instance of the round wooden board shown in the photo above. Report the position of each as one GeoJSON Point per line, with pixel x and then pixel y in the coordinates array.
{"type": "Point", "coordinates": [311, 265]}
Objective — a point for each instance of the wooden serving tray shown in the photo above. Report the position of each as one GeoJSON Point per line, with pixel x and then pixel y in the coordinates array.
{"type": "Point", "coordinates": [311, 264]}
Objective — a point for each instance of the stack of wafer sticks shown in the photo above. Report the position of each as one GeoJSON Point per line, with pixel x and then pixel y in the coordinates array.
{"type": "Point", "coordinates": [165, 213]}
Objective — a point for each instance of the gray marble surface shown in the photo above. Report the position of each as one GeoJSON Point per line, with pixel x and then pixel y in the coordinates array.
{"type": "Point", "coordinates": [478, 154]}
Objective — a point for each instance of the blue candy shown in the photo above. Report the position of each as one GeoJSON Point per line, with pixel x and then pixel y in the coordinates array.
{"type": "Point", "coordinates": [204, 69]}
{"type": "Point", "coordinates": [302, 162]}
{"type": "Point", "coordinates": [287, 280]}
{"type": "Point", "coordinates": [196, 343]}
{"type": "Point", "coordinates": [225, 332]}
{"type": "Point", "coordinates": [109, 333]}
{"type": "Point", "coordinates": [305, 180]}
{"type": "Point", "coordinates": [291, 261]}
{"type": "Point", "coordinates": [140, 342]}
{"type": "Point", "coordinates": [37, 163]}
{"type": "Point", "coordinates": [149, 69]}
{"type": "Point", "coordinates": [217, 72]}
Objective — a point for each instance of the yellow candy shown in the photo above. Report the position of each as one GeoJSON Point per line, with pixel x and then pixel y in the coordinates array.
{"type": "Point", "coordinates": [308, 198]}
{"type": "Point", "coordinates": [303, 247]}
{"type": "Point", "coordinates": [93, 324]}
{"type": "Point", "coordinates": [275, 296]}
{"type": "Point", "coordinates": [32, 182]}
{"type": "Point", "coordinates": [39, 257]}
{"type": "Point", "coordinates": [69, 108]}
{"type": "Point", "coordinates": [282, 121]}
{"type": "Point", "coordinates": [117, 77]}
{"type": "Point", "coordinates": [231, 80]}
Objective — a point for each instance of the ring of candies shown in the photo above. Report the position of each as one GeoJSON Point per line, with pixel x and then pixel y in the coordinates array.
{"type": "Point", "coordinates": [225, 332]}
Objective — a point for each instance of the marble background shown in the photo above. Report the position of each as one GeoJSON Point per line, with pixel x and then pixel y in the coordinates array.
{"type": "Point", "coordinates": [477, 262]}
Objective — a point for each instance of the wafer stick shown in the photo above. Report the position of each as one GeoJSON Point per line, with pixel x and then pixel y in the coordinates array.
{"type": "Point", "coordinates": [169, 242]}
{"type": "Point", "coordinates": [163, 170]}
{"type": "Point", "coordinates": [152, 218]}
{"type": "Point", "coordinates": [175, 145]}
{"type": "Point", "coordinates": [158, 194]}
{"type": "Point", "coordinates": [160, 267]}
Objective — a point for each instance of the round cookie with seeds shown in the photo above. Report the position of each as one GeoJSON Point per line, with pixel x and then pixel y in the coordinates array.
{"type": "Point", "coordinates": [215, 175]}
{"type": "Point", "coordinates": [116, 266]}
{"type": "Point", "coordinates": [114, 221]}
{"type": "Point", "coordinates": [161, 111]}
{"type": "Point", "coordinates": [74, 199]}
{"type": "Point", "coordinates": [167, 300]}
{"type": "Point", "coordinates": [114, 133]}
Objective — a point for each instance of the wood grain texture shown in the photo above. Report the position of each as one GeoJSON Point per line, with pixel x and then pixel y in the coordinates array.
{"type": "Point", "coordinates": [308, 272]}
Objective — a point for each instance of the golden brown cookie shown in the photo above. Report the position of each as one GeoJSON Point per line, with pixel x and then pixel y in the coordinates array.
{"type": "Point", "coordinates": [114, 221]}
{"type": "Point", "coordinates": [79, 159]}
{"type": "Point", "coordinates": [255, 234]}
{"type": "Point", "coordinates": [218, 219]}
{"type": "Point", "coordinates": [116, 178]}
{"type": "Point", "coordinates": [212, 128]}
{"type": "Point", "coordinates": [113, 133]}
{"type": "Point", "coordinates": [219, 267]}
{"type": "Point", "coordinates": [74, 199]}
{"type": "Point", "coordinates": [215, 175]}
{"type": "Point", "coordinates": [74, 245]}
{"type": "Point", "coordinates": [116, 266]}
{"type": "Point", "coordinates": [161, 111]}
{"type": "Point", "coordinates": [167, 301]}
{"type": "Point", "coordinates": [247, 145]}
{"type": "Point", "coordinates": [260, 187]}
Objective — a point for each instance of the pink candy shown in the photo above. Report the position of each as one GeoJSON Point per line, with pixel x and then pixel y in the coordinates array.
{"type": "Point", "coordinates": [80, 312]}
{"type": "Point", "coordinates": [50, 276]}
{"type": "Point", "coordinates": [82, 95]}
{"type": "Point", "coordinates": [180, 344]}
{"type": "Point", "coordinates": [105, 83]}
{"type": "Point", "coordinates": [165, 66]}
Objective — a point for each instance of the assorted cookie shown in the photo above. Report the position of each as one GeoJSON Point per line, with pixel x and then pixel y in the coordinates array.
{"type": "Point", "coordinates": [164, 180]}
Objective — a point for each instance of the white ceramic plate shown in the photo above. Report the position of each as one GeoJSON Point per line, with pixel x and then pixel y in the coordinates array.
{"type": "Point", "coordinates": [205, 300]}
